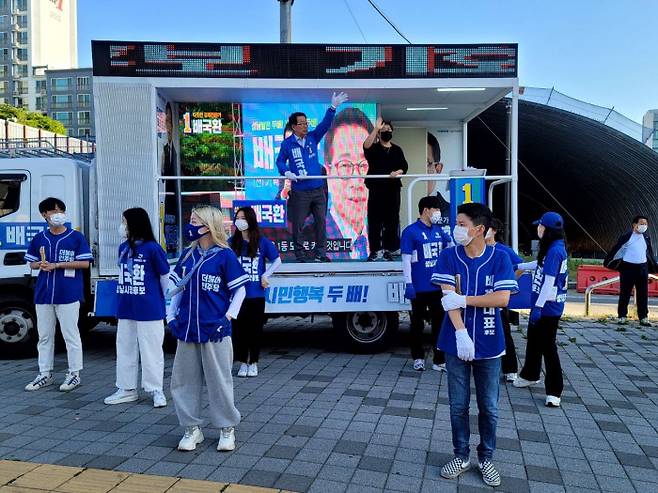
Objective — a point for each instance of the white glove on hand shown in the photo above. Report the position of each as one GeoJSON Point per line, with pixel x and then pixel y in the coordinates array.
{"type": "Point", "coordinates": [290, 175]}
{"type": "Point", "coordinates": [452, 301]}
{"type": "Point", "coordinates": [465, 346]}
{"type": "Point", "coordinates": [338, 99]}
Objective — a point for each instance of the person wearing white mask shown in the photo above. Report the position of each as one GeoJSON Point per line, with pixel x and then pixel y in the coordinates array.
{"type": "Point", "coordinates": [141, 289]}
{"type": "Point", "coordinates": [253, 251]}
{"type": "Point", "coordinates": [60, 254]}
{"type": "Point", "coordinates": [420, 245]}
{"type": "Point", "coordinates": [633, 257]}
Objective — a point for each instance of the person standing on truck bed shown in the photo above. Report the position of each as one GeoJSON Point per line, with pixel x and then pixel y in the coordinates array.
{"type": "Point", "coordinates": [420, 245]}
{"type": "Point", "coordinates": [298, 157]}
{"type": "Point", "coordinates": [143, 280]}
{"type": "Point", "coordinates": [59, 253]}
{"type": "Point", "coordinates": [206, 290]}
{"type": "Point", "coordinates": [384, 158]}
{"type": "Point", "coordinates": [253, 250]}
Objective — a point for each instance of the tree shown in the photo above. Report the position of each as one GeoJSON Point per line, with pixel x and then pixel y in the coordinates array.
{"type": "Point", "coordinates": [31, 119]}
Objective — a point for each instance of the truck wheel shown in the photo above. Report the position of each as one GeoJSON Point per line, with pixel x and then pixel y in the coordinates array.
{"type": "Point", "coordinates": [18, 328]}
{"type": "Point", "coordinates": [366, 332]}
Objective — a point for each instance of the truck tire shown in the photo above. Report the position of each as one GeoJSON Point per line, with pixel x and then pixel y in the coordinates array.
{"type": "Point", "coordinates": [366, 332]}
{"type": "Point", "coordinates": [18, 327]}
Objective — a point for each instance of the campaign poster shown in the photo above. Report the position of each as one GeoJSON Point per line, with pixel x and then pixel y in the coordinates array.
{"type": "Point", "coordinates": [340, 152]}
{"type": "Point", "coordinates": [444, 154]}
{"type": "Point", "coordinates": [169, 165]}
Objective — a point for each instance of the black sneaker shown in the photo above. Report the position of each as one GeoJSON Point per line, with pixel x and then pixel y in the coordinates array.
{"type": "Point", "coordinates": [454, 468]}
{"type": "Point", "coordinates": [372, 257]}
{"type": "Point", "coordinates": [387, 256]}
{"type": "Point", "coordinates": [322, 258]}
{"type": "Point", "coordinates": [489, 474]}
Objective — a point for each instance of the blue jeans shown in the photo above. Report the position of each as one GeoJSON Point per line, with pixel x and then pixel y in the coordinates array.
{"type": "Point", "coordinates": [486, 373]}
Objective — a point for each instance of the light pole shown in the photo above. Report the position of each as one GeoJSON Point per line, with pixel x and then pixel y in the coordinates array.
{"type": "Point", "coordinates": [285, 20]}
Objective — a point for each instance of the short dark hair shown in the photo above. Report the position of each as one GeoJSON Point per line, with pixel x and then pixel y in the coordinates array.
{"type": "Point", "coordinates": [433, 142]}
{"type": "Point", "coordinates": [637, 218]}
{"type": "Point", "coordinates": [499, 227]}
{"type": "Point", "coordinates": [478, 213]}
{"type": "Point", "coordinates": [50, 204]}
{"type": "Point", "coordinates": [389, 123]}
{"type": "Point", "coordinates": [287, 128]}
{"type": "Point", "coordinates": [349, 116]}
{"type": "Point", "coordinates": [292, 119]}
{"type": "Point", "coordinates": [429, 202]}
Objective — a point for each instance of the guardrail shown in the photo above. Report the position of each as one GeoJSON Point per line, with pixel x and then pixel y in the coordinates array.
{"type": "Point", "coordinates": [590, 289]}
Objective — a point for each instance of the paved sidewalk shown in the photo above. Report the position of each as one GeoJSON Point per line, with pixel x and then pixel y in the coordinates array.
{"type": "Point", "coordinates": [316, 420]}
{"type": "Point", "coordinates": [29, 477]}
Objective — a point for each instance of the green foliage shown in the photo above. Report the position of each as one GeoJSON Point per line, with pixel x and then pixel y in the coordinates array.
{"type": "Point", "coordinates": [31, 119]}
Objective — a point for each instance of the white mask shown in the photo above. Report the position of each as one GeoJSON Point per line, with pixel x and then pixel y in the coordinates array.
{"type": "Point", "coordinates": [540, 231]}
{"type": "Point", "coordinates": [436, 217]}
{"type": "Point", "coordinates": [490, 234]}
{"type": "Point", "coordinates": [58, 219]}
{"type": "Point", "coordinates": [460, 234]}
{"type": "Point", "coordinates": [123, 231]}
{"type": "Point", "coordinates": [642, 228]}
{"type": "Point", "coordinates": [241, 224]}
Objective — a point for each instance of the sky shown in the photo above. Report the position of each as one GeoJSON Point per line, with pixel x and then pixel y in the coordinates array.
{"type": "Point", "coordinates": [600, 51]}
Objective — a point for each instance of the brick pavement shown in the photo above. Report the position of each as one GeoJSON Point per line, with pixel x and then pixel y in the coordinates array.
{"type": "Point", "coordinates": [320, 420]}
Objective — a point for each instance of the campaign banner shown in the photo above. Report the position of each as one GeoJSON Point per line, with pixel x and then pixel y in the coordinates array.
{"type": "Point", "coordinates": [335, 294]}
{"type": "Point", "coordinates": [465, 191]}
{"type": "Point", "coordinates": [18, 235]}
{"type": "Point", "coordinates": [269, 213]}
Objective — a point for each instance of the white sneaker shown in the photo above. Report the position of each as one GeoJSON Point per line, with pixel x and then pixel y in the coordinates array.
{"type": "Point", "coordinates": [71, 381]}
{"type": "Point", "coordinates": [552, 401]}
{"type": "Point", "coordinates": [159, 399]}
{"type": "Point", "coordinates": [253, 370]}
{"type": "Point", "coordinates": [439, 367]}
{"type": "Point", "coordinates": [244, 369]}
{"type": "Point", "coordinates": [193, 436]}
{"type": "Point", "coordinates": [522, 382]}
{"type": "Point", "coordinates": [121, 397]}
{"type": "Point", "coordinates": [419, 364]}
{"type": "Point", "coordinates": [510, 377]}
{"type": "Point", "coordinates": [42, 380]}
{"type": "Point", "coordinates": [226, 440]}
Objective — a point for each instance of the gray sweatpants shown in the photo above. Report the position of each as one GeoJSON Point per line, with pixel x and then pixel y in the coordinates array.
{"type": "Point", "coordinates": [195, 363]}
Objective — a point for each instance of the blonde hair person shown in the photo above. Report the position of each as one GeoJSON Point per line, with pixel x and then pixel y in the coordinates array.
{"type": "Point", "coordinates": [206, 293]}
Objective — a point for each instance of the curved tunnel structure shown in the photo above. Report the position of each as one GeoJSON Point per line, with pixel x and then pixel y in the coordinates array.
{"type": "Point", "coordinates": [600, 177]}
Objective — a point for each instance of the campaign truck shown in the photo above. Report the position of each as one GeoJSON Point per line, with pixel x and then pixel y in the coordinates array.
{"type": "Point", "coordinates": [181, 124]}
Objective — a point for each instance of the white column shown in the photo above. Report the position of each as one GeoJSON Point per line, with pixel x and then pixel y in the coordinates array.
{"type": "Point", "coordinates": [515, 168]}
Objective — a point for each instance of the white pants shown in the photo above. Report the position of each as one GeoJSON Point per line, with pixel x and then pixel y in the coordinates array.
{"type": "Point", "coordinates": [137, 339]}
{"type": "Point", "coordinates": [47, 317]}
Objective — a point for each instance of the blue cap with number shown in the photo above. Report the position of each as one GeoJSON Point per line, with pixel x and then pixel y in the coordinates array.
{"type": "Point", "coordinates": [551, 220]}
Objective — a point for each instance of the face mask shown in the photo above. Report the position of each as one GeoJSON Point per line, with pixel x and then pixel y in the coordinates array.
{"type": "Point", "coordinates": [540, 231]}
{"type": "Point", "coordinates": [241, 224]}
{"type": "Point", "coordinates": [386, 135]}
{"type": "Point", "coordinates": [193, 233]}
{"type": "Point", "coordinates": [460, 234]}
{"type": "Point", "coordinates": [123, 231]}
{"type": "Point", "coordinates": [642, 228]}
{"type": "Point", "coordinates": [490, 234]}
{"type": "Point", "coordinates": [58, 219]}
{"type": "Point", "coordinates": [436, 217]}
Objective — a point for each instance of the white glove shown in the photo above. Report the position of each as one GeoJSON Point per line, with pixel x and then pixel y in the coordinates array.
{"type": "Point", "coordinates": [290, 175]}
{"type": "Point", "coordinates": [452, 301]}
{"type": "Point", "coordinates": [338, 99]}
{"type": "Point", "coordinates": [465, 346]}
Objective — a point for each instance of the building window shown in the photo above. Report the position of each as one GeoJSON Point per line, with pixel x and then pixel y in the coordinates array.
{"type": "Point", "coordinates": [3, 4]}
{"type": "Point", "coordinates": [21, 20]}
{"type": "Point", "coordinates": [41, 103]}
{"type": "Point", "coordinates": [64, 117]}
{"type": "Point", "coordinates": [3, 71]}
{"type": "Point", "coordinates": [21, 37]}
{"type": "Point", "coordinates": [62, 101]}
{"type": "Point", "coordinates": [83, 83]}
{"type": "Point", "coordinates": [20, 70]}
{"type": "Point", "coordinates": [4, 54]}
{"type": "Point", "coordinates": [61, 84]}
{"type": "Point", "coordinates": [84, 100]}
{"type": "Point", "coordinates": [41, 86]}
{"type": "Point", "coordinates": [21, 54]}
{"type": "Point", "coordinates": [3, 87]}
{"type": "Point", "coordinates": [4, 38]}
{"type": "Point", "coordinates": [84, 117]}
{"type": "Point", "coordinates": [21, 4]}
{"type": "Point", "coordinates": [84, 132]}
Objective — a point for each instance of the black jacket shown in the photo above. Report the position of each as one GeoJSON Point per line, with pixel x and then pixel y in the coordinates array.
{"type": "Point", "coordinates": [612, 261]}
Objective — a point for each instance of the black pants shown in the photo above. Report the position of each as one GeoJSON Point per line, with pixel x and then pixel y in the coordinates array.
{"type": "Point", "coordinates": [424, 302]}
{"type": "Point", "coordinates": [248, 330]}
{"type": "Point", "coordinates": [633, 275]}
{"type": "Point", "coordinates": [300, 204]}
{"type": "Point", "coordinates": [384, 220]}
{"type": "Point", "coordinates": [542, 343]}
{"type": "Point", "coordinates": [509, 363]}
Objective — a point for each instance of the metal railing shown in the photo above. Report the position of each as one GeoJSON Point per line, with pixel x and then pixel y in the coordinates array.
{"type": "Point", "coordinates": [590, 290]}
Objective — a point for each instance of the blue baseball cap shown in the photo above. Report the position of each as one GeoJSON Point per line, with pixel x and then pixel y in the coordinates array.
{"type": "Point", "coordinates": [551, 220]}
